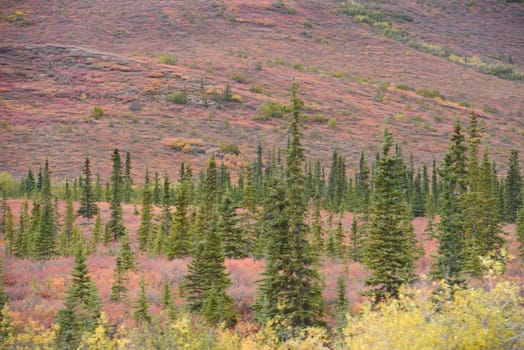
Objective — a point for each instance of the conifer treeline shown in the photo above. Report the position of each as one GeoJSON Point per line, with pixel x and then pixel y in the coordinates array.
{"type": "Point", "coordinates": [274, 212]}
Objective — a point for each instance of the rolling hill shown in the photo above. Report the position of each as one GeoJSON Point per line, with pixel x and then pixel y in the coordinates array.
{"type": "Point", "coordinates": [158, 70]}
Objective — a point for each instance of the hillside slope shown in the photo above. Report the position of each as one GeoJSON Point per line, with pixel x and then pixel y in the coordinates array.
{"type": "Point", "coordinates": [59, 61]}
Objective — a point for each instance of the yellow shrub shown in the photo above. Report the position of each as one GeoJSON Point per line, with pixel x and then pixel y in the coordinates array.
{"type": "Point", "coordinates": [474, 319]}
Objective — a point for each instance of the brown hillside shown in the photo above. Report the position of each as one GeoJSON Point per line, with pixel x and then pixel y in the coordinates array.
{"type": "Point", "coordinates": [60, 60]}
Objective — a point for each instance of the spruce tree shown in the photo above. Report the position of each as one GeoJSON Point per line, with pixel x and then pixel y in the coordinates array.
{"type": "Point", "coordinates": [234, 243]}
{"type": "Point", "coordinates": [418, 202]}
{"type": "Point", "coordinates": [362, 186]}
{"type": "Point", "coordinates": [141, 310]}
{"type": "Point", "coordinates": [126, 254]}
{"type": "Point", "coordinates": [179, 236]}
{"type": "Point", "coordinates": [145, 229]}
{"type": "Point", "coordinates": [118, 288]}
{"type": "Point", "coordinates": [356, 241]}
{"type": "Point", "coordinates": [9, 233]}
{"type": "Point", "coordinates": [115, 225]}
{"type": "Point", "coordinates": [34, 227]}
{"type": "Point", "coordinates": [290, 290]}
{"type": "Point", "coordinates": [167, 302]}
{"type": "Point", "coordinates": [513, 187]}
{"type": "Point", "coordinates": [45, 238]}
{"type": "Point", "coordinates": [317, 231]}
{"type": "Point", "coordinates": [22, 237]}
{"type": "Point", "coordinates": [166, 218]}
{"type": "Point", "coordinates": [207, 280]}
{"type": "Point", "coordinates": [450, 258]}
{"type": "Point", "coordinates": [156, 189]}
{"type": "Point", "coordinates": [98, 188]}
{"type": "Point", "coordinates": [389, 246]}
{"type": "Point", "coordinates": [342, 305]}
{"type": "Point", "coordinates": [88, 208]}
{"type": "Point", "coordinates": [127, 181]}
{"type": "Point", "coordinates": [69, 222]}
{"type": "Point", "coordinates": [81, 306]}
{"type": "Point", "coordinates": [97, 230]}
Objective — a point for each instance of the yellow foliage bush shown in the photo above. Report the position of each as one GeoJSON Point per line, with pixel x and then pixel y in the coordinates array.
{"type": "Point", "coordinates": [473, 319]}
{"type": "Point", "coordinates": [31, 336]}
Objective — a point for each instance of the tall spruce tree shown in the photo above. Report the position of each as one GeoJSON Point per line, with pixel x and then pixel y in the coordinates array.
{"type": "Point", "coordinates": [389, 246]}
{"type": "Point", "coordinates": [145, 229]}
{"type": "Point", "coordinates": [9, 232]}
{"type": "Point", "coordinates": [356, 241]}
{"type": "Point", "coordinates": [449, 265]}
{"type": "Point", "coordinates": [362, 185]}
{"type": "Point", "coordinates": [45, 238]}
{"type": "Point", "coordinates": [115, 225]}
{"type": "Point", "coordinates": [234, 243]}
{"type": "Point", "coordinates": [118, 288]}
{"type": "Point", "coordinates": [513, 187]}
{"type": "Point", "coordinates": [482, 232]}
{"type": "Point", "coordinates": [166, 300]}
{"type": "Point", "coordinates": [69, 222]}
{"type": "Point", "coordinates": [207, 280]}
{"type": "Point", "coordinates": [88, 207]}
{"type": "Point", "coordinates": [21, 244]}
{"type": "Point", "coordinates": [127, 181]}
{"type": "Point", "coordinates": [179, 236]}
{"type": "Point", "coordinates": [81, 306]}
{"type": "Point", "coordinates": [290, 290]}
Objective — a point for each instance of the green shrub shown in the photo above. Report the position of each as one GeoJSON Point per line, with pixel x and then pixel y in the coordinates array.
{"type": "Point", "coordinates": [332, 123]}
{"type": "Point", "coordinates": [269, 110]}
{"type": "Point", "coordinates": [19, 19]}
{"type": "Point", "coordinates": [257, 89]}
{"type": "Point", "coordinates": [278, 5]}
{"type": "Point", "coordinates": [167, 58]}
{"type": "Point", "coordinates": [97, 112]}
{"type": "Point", "coordinates": [318, 118]}
{"type": "Point", "coordinates": [229, 148]}
{"type": "Point", "coordinates": [405, 87]}
{"type": "Point", "coordinates": [180, 98]}
{"type": "Point", "coordinates": [430, 93]}
{"type": "Point", "coordinates": [239, 78]}
{"type": "Point", "coordinates": [490, 110]}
